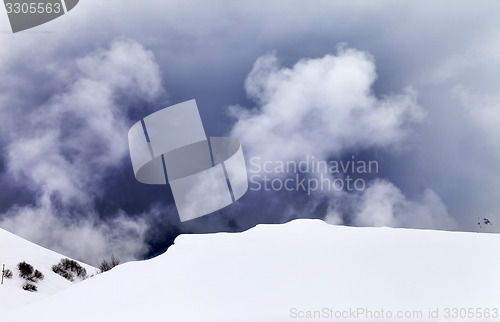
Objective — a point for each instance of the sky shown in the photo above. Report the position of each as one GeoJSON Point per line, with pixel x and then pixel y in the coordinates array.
{"type": "Point", "coordinates": [412, 86]}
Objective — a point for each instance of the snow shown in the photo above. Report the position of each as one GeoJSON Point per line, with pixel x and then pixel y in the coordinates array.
{"type": "Point", "coordinates": [271, 272]}
{"type": "Point", "coordinates": [13, 250]}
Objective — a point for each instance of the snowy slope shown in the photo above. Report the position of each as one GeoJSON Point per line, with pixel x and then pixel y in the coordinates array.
{"type": "Point", "coordinates": [276, 272]}
{"type": "Point", "coordinates": [13, 250]}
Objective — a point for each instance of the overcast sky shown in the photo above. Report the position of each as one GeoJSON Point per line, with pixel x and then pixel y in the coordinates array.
{"type": "Point", "coordinates": [411, 85]}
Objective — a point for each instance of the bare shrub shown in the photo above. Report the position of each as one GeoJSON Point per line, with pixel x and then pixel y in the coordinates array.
{"type": "Point", "coordinates": [108, 265]}
{"type": "Point", "coordinates": [30, 287]}
{"type": "Point", "coordinates": [68, 269]}
{"type": "Point", "coordinates": [25, 270]}
{"type": "Point", "coordinates": [8, 274]}
{"type": "Point", "coordinates": [38, 275]}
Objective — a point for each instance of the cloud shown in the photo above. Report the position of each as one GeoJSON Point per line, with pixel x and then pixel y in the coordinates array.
{"type": "Point", "coordinates": [322, 107]}
{"type": "Point", "coordinates": [79, 236]}
{"type": "Point", "coordinates": [484, 113]}
{"type": "Point", "coordinates": [126, 67]}
{"type": "Point", "coordinates": [383, 204]}
{"type": "Point", "coordinates": [326, 107]}
{"type": "Point", "coordinates": [65, 148]}
{"type": "Point", "coordinates": [67, 144]}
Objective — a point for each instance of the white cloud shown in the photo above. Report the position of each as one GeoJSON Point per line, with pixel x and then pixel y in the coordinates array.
{"type": "Point", "coordinates": [86, 237]}
{"type": "Point", "coordinates": [64, 149]}
{"type": "Point", "coordinates": [126, 67]}
{"type": "Point", "coordinates": [325, 107]}
{"type": "Point", "coordinates": [322, 107]}
{"type": "Point", "coordinates": [67, 145]}
{"type": "Point", "coordinates": [383, 204]}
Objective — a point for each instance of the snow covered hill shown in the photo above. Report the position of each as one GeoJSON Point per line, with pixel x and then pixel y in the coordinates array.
{"type": "Point", "coordinates": [13, 250]}
{"type": "Point", "coordinates": [305, 268]}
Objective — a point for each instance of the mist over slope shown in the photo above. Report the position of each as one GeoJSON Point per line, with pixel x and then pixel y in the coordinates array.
{"type": "Point", "coordinates": [282, 272]}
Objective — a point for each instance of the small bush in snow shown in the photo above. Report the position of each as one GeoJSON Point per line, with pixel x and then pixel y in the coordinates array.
{"type": "Point", "coordinates": [25, 270]}
{"type": "Point", "coordinates": [8, 274]}
{"type": "Point", "coordinates": [30, 287]}
{"type": "Point", "coordinates": [68, 268]}
{"type": "Point", "coordinates": [31, 275]}
{"type": "Point", "coordinates": [37, 275]}
{"type": "Point", "coordinates": [106, 266]}
{"type": "Point", "coordinates": [61, 271]}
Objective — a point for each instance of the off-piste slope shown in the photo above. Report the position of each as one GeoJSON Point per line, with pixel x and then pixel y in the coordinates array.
{"type": "Point", "coordinates": [305, 268]}
{"type": "Point", "coordinates": [13, 250]}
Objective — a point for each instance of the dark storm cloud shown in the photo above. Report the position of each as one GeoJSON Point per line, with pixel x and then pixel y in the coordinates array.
{"type": "Point", "coordinates": [446, 52]}
{"type": "Point", "coordinates": [64, 150]}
